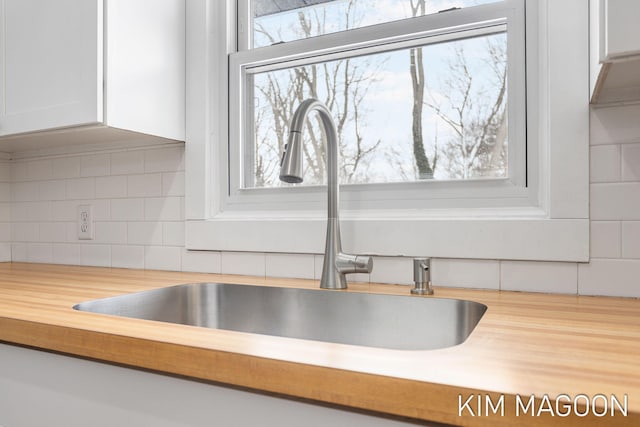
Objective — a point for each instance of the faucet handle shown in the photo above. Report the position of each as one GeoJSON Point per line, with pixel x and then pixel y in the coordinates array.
{"type": "Point", "coordinates": [363, 264]}
{"type": "Point", "coordinates": [347, 264]}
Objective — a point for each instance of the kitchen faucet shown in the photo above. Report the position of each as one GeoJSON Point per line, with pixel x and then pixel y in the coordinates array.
{"type": "Point", "coordinates": [336, 263]}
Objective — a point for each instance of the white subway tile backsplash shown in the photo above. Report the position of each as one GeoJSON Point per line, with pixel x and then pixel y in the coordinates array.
{"type": "Point", "coordinates": [164, 160]}
{"type": "Point", "coordinates": [5, 192]}
{"type": "Point", "coordinates": [66, 167]}
{"type": "Point", "coordinates": [395, 270]}
{"type": "Point", "coordinates": [173, 233]}
{"type": "Point", "coordinates": [631, 162]}
{"type": "Point", "coordinates": [111, 232]}
{"type": "Point", "coordinates": [101, 209]}
{"type": "Point", "coordinates": [173, 184]}
{"type": "Point", "coordinates": [18, 171]}
{"type": "Point", "coordinates": [64, 211]}
{"type": "Point", "coordinates": [245, 263]}
{"type": "Point", "coordinates": [39, 252]}
{"type": "Point", "coordinates": [5, 232]}
{"type": "Point", "coordinates": [144, 185]}
{"type": "Point", "coordinates": [127, 209]}
{"type": "Point", "coordinates": [631, 239]}
{"type": "Point", "coordinates": [299, 266]}
{"type": "Point", "coordinates": [19, 252]}
{"type": "Point", "coordinates": [144, 233]}
{"type": "Point", "coordinates": [162, 258]}
{"type": "Point", "coordinates": [531, 276]}
{"type": "Point", "coordinates": [605, 163]}
{"type": "Point", "coordinates": [39, 170]}
{"type": "Point", "coordinates": [127, 162]}
{"type": "Point", "coordinates": [465, 273]}
{"type": "Point", "coordinates": [127, 256]}
{"type": "Point", "coordinates": [5, 171]}
{"type": "Point", "coordinates": [605, 239]}
{"type": "Point", "coordinates": [18, 212]}
{"type": "Point", "coordinates": [25, 232]}
{"type": "Point", "coordinates": [52, 190]}
{"type": "Point", "coordinates": [619, 201]}
{"type": "Point", "coordinates": [81, 188]}
{"type": "Point", "coordinates": [5, 252]}
{"type": "Point", "coordinates": [72, 232]}
{"type": "Point", "coordinates": [138, 198]}
{"type": "Point", "coordinates": [111, 187]}
{"type": "Point", "coordinates": [95, 255]}
{"type": "Point", "coordinates": [201, 261]}
{"type": "Point", "coordinates": [37, 211]}
{"type": "Point", "coordinates": [95, 165]}
{"type": "Point", "coordinates": [26, 191]}
{"type": "Point", "coordinates": [53, 232]}
{"type": "Point", "coordinates": [163, 209]}
{"type": "Point", "coordinates": [609, 277]}
{"type": "Point", "coordinates": [66, 253]}
{"type": "Point", "coordinates": [615, 125]}
{"type": "Point", "coordinates": [5, 212]}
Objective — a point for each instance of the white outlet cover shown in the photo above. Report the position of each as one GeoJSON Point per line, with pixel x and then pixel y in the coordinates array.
{"type": "Point", "coordinates": [85, 222]}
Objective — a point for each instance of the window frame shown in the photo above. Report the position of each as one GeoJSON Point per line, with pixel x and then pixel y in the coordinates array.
{"type": "Point", "coordinates": [492, 18]}
{"type": "Point", "coordinates": [554, 226]}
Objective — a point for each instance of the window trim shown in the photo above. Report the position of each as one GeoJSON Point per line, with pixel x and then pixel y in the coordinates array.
{"type": "Point", "coordinates": [557, 229]}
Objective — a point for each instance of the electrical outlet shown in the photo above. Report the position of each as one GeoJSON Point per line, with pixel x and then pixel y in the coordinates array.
{"type": "Point", "coordinates": [85, 222]}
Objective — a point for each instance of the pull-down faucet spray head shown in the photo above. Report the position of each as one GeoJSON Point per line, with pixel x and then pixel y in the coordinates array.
{"type": "Point", "coordinates": [291, 163]}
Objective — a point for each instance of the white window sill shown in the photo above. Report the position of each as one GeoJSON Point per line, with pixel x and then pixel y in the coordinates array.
{"type": "Point", "coordinates": [518, 239]}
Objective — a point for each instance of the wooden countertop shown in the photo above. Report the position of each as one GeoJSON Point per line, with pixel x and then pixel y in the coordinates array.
{"type": "Point", "coordinates": [547, 345]}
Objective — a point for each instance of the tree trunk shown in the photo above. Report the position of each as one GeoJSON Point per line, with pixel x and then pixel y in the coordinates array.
{"type": "Point", "coordinates": [425, 171]}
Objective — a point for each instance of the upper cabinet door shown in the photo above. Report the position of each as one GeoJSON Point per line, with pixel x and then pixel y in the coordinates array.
{"type": "Point", "coordinates": [145, 66]}
{"type": "Point", "coordinates": [112, 63]}
{"type": "Point", "coordinates": [615, 51]}
{"type": "Point", "coordinates": [51, 64]}
{"type": "Point", "coordinates": [620, 31]}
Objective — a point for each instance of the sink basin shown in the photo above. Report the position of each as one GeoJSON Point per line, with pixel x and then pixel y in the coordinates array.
{"type": "Point", "coordinates": [384, 321]}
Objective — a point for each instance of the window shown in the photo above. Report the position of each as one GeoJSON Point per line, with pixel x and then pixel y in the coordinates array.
{"type": "Point", "coordinates": [526, 179]}
{"type": "Point", "coordinates": [429, 105]}
{"type": "Point", "coordinates": [429, 96]}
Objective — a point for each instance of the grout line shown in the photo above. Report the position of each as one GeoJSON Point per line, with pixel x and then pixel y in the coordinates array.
{"type": "Point", "coordinates": [620, 162]}
{"type": "Point", "coordinates": [621, 239]}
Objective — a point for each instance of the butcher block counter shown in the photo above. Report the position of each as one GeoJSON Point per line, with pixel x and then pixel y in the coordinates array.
{"type": "Point", "coordinates": [578, 356]}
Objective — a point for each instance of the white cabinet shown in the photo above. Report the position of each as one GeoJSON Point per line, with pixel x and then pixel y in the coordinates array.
{"type": "Point", "coordinates": [47, 389]}
{"type": "Point", "coordinates": [104, 63]}
{"type": "Point", "coordinates": [615, 51]}
{"type": "Point", "coordinates": [619, 29]}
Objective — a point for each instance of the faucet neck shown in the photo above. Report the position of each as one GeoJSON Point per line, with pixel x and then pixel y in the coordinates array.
{"type": "Point", "coordinates": [331, 136]}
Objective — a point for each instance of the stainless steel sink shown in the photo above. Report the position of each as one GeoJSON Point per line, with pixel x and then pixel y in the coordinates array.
{"type": "Point", "coordinates": [386, 321]}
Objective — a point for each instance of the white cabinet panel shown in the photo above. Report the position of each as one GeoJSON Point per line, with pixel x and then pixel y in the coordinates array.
{"type": "Point", "coordinates": [145, 66]}
{"type": "Point", "coordinates": [112, 63]}
{"type": "Point", "coordinates": [621, 32]}
{"type": "Point", "coordinates": [615, 51]}
{"type": "Point", "coordinates": [47, 389]}
{"type": "Point", "coordinates": [52, 64]}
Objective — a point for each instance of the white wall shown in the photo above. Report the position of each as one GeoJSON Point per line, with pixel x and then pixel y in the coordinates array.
{"type": "Point", "coordinates": [138, 199]}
